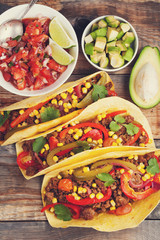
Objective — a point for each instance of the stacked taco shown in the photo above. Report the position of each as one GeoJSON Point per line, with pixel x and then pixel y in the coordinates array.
{"type": "Point", "coordinates": [110, 192]}
{"type": "Point", "coordinates": [108, 122]}
{"type": "Point", "coordinates": [38, 114]}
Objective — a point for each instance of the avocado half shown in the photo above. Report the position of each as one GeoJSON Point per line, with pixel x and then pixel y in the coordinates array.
{"type": "Point", "coordinates": [144, 83]}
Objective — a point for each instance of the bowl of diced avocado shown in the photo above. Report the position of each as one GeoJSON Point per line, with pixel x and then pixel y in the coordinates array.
{"type": "Point", "coordinates": [109, 43]}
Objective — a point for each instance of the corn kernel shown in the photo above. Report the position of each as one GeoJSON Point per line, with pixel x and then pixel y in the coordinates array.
{"type": "Point", "coordinates": [142, 170]}
{"type": "Point", "coordinates": [79, 132]}
{"type": "Point", "coordinates": [112, 202]}
{"type": "Point", "coordinates": [54, 101]}
{"type": "Point", "coordinates": [74, 194]}
{"type": "Point", "coordinates": [70, 171]}
{"type": "Point", "coordinates": [94, 185]}
{"type": "Point", "coordinates": [84, 190]}
{"type": "Point", "coordinates": [72, 124]}
{"type": "Point", "coordinates": [150, 141]}
{"type": "Point", "coordinates": [72, 153]}
{"type": "Point", "coordinates": [119, 140]}
{"type": "Point", "coordinates": [92, 195]}
{"type": "Point", "coordinates": [86, 169]}
{"type": "Point", "coordinates": [142, 145]}
{"type": "Point", "coordinates": [77, 197]}
{"type": "Point", "coordinates": [144, 179]}
{"type": "Point", "coordinates": [75, 136]}
{"type": "Point", "coordinates": [55, 158]}
{"type": "Point", "coordinates": [122, 171]}
{"type": "Point", "coordinates": [65, 105]}
{"type": "Point", "coordinates": [74, 96]}
{"type": "Point", "coordinates": [114, 136]}
{"type": "Point", "coordinates": [44, 163]}
{"type": "Point", "coordinates": [2, 112]}
{"type": "Point", "coordinates": [80, 189]}
{"type": "Point", "coordinates": [130, 171]}
{"type": "Point", "coordinates": [42, 150]}
{"type": "Point", "coordinates": [42, 109]}
{"type": "Point", "coordinates": [142, 165]}
{"type": "Point", "coordinates": [99, 195]}
{"type": "Point", "coordinates": [70, 131]}
{"type": "Point", "coordinates": [36, 121]}
{"type": "Point", "coordinates": [60, 103]}
{"type": "Point", "coordinates": [44, 192]}
{"type": "Point", "coordinates": [69, 105]}
{"type": "Point", "coordinates": [114, 144]}
{"type": "Point", "coordinates": [112, 208]}
{"type": "Point", "coordinates": [143, 133]}
{"type": "Point", "coordinates": [59, 144]}
{"type": "Point", "coordinates": [110, 133]}
{"type": "Point", "coordinates": [21, 112]}
{"type": "Point", "coordinates": [59, 176]}
{"type": "Point", "coordinates": [84, 90]}
{"type": "Point", "coordinates": [75, 189]}
{"type": "Point", "coordinates": [24, 124]}
{"type": "Point", "coordinates": [130, 157]}
{"type": "Point", "coordinates": [59, 129]}
{"type": "Point", "coordinates": [35, 112]}
{"type": "Point", "coordinates": [87, 129]}
{"type": "Point", "coordinates": [76, 121]}
{"type": "Point", "coordinates": [54, 200]}
{"type": "Point", "coordinates": [46, 146]}
{"type": "Point", "coordinates": [103, 115]}
{"type": "Point", "coordinates": [89, 139]}
{"type": "Point", "coordinates": [70, 90]}
{"type": "Point", "coordinates": [100, 141]}
{"type": "Point", "coordinates": [38, 115]}
{"type": "Point", "coordinates": [99, 117]}
{"type": "Point", "coordinates": [74, 103]}
{"type": "Point", "coordinates": [64, 95]}
{"type": "Point", "coordinates": [87, 84]}
{"type": "Point", "coordinates": [31, 114]}
{"type": "Point", "coordinates": [52, 209]}
{"type": "Point", "coordinates": [147, 176]}
{"type": "Point", "coordinates": [19, 125]}
{"type": "Point", "coordinates": [136, 157]}
{"type": "Point", "coordinates": [66, 110]}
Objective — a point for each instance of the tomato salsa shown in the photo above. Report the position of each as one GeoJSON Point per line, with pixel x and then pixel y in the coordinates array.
{"type": "Point", "coordinates": [26, 61]}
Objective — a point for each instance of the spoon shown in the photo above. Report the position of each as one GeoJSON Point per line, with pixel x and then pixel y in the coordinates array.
{"type": "Point", "coordinates": [13, 27]}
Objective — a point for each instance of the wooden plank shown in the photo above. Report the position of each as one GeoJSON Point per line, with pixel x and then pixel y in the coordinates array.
{"type": "Point", "coordinates": [41, 230]}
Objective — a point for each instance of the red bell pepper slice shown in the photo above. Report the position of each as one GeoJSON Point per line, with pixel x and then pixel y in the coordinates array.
{"type": "Point", "coordinates": [134, 138]}
{"type": "Point", "coordinates": [112, 93]}
{"type": "Point", "coordinates": [23, 117]}
{"type": "Point", "coordinates": [52, 143]}
{"type": "Point", "coordinates": [78, 90]}
{"type": "Point", "coordinates": [95, 134]}
{"type": "Point", "coordinates": [129, 192]}
{"type": "Point", "coordinates": [147, 139]}
{"type": "Point", "coordinates": [113, 114]}
{"type": "Point", "coordinates": [24, 165]}
{"type": "Point", "coordinates": [76, 209]}
{"type": "Point", "coordinates": [88, 200]}
{"type": "Point", "coordinates": [61, 153]}
{"type": "Point", "coordinates": [85, 124]}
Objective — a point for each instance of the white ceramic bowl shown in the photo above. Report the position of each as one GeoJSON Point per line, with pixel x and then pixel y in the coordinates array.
{"type": "Point", "coordinates": [36, 10]}
{"type": "Point", "coordinates": [108, 68]}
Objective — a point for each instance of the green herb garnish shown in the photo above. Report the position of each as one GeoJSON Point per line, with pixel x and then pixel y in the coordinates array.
{"type": "Point", "coordinates": [10, 64]}
{"type": "Point", "coordinates": [38, 144]}
{"type": "Point", "coordinates": [153, 167]}
{"type": "Point", "coordinates": [49, 113]}
{"type": "Point", "coordinates": [99, 91]}
{"type": "Point", "coordinates": [17, 38]}
{"type": "Point", "coordinates": [82, 146]}
{"type": "Point", "coordinates": [107, 178]}
{"type": "Point", "coordinates": [131, 129]}
{"type": "Point", "coordinates": [62, 212]}
{"type": "Point", "coordinates": [119, 119]}
{"type": "Point", "coordinates": [114, 126]}
{"type": "Point", "coordinates": [4, 117]}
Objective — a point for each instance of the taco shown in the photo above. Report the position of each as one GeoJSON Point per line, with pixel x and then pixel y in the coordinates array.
{"type": "Point", "coordinates": [37, 114]}
{"type": "Point", "coordinates": [115, 191]}
{"type": "Point", "coordinates": [108, 122]}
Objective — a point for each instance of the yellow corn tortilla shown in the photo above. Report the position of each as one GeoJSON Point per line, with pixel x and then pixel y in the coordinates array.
{"type": "Point", "coordinates": [32, 101]}
{"type": "Point", "coordinates": [107, 222]}
{"type": "Point", "coordinates": [102, 105]}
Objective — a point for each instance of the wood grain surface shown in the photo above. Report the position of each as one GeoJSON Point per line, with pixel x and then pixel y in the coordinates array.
{"type": "Point", "coordinates": [20, 200]}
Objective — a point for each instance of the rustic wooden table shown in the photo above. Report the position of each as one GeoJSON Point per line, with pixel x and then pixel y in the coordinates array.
{"type": "Point", "coordinates": [20, 200]}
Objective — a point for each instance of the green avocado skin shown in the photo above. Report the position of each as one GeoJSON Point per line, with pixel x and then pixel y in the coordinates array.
{"type": "Point", "coordinates": [148, 55]}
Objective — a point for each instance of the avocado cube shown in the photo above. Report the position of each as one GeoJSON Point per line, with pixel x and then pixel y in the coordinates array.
{"type": "Point", "coordinates": [128, 37]}
{"type": "Point", "coordinates": [88, 38]}
{"type": "Point", "coordinates": [93, 34]}
{"type": "Point", "coordinates": [112, 22]}
{"type": "Point", "coordinates": [114, 50]}
{"type": "Point", "coordinates": [125, 27]}
{"type": "Point", "coordinates": [96, 57]}
{"type": "Point", "coordinates": [100, 44]}
{"type": "Point", "coordinates": [102, 24]}
{"type": "Point", "coordinates": [101, 32]}
{"type": "Point", "coordinates": [104, 62]}
{"type": "Point", "coordinates": [110, 44]}
{"type": "Point", "coordinates": [94, 27]}
{"type": "Point", "coordinates": [89, 48]}
{"type": "Point", "coordinates": [127, 45]}
{"type": "Point", "coordinates": [111, 34]}
{"type": "Point", "coordinates": [128, 54]}
{"type": "Point", "coordinates": [121, 45]}
{"type": "Point", "coordinates": [116, 60]}
{"type": "Point", "coordinates": [120, 33]}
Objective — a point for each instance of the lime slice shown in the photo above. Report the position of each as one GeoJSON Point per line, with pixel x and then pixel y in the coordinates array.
{"type": "Point", "coordinates": [59, 35]}
{"type": "Point", "coordinates": [59, 54]}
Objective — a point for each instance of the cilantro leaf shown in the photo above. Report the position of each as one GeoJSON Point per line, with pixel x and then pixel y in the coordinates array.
{"type": "Point", "coordinates": [83, 145]}
{"type": "Point", "coordinates": [38, 144]}
{"type": "Point", "coordinates": [107, 178]}
{"type": "Point", "coordinates": [114, 126]}
{"type": "Point", "coordinates": [4, 117]}
{"type": "Point", "coordinates": [99, 91]}
{"type": "Point", "coordinates": [62, 212]}
{"type": "Point", "coordinates": [119, 119]}
{"type": "Point", "coordinates": [49, 113]}
{"type": "Point", "coordinates": [17, 38]}
{"type": "Point", "coordinates": [153, 167]}
{"type": "Point", "coordinates": [131, 129]}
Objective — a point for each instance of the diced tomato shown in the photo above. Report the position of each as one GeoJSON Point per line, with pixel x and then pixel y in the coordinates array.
{"type": "Point", "coordinates": [65, 185]}
{"type": "Point", "coordinates": [55, 66]}
{"type": "Point", "coordinates": [35, 67]}
{"type": "Point", "coordinates": [52, 142]}
{"type": "Point", "coordinates": [38, 40]}
{"type": "Point", "coordinates": [39, 83]}
{"type": "Point", "coordinates": [46, 26]}
{"type": "Point", "coordinates": [21, 83]}
{"type": "Point", "coordinates": [123, 209]}
{"type": "Point", "coordinates": [22, 54]}
{"type": "Point", "coordinates": [18, 73]}
{"type": "Point", "coordinates": [108, 142]}
{"type": "Point", "coordinates": [12, 43]}
{"type": "Point", "coordinates": [33, 28]}
{"type": "Point", "coordinates": [7, 76]}
{"type": "Point", "coordinates": [2, 50]}
{"type": "Point", "coordinates": [30, 79]}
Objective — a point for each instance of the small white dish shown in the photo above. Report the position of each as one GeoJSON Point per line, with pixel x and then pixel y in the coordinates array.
{"type": "Point", "coordinates": [108, 68]}
{"type": "Point", "coordinates": [42, 10]}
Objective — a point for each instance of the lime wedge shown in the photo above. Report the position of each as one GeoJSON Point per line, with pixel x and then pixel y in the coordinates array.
{"type": "Point", "coordinates": [59, 35]}
{"type": "Point", "coordinates": [59, 54]}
